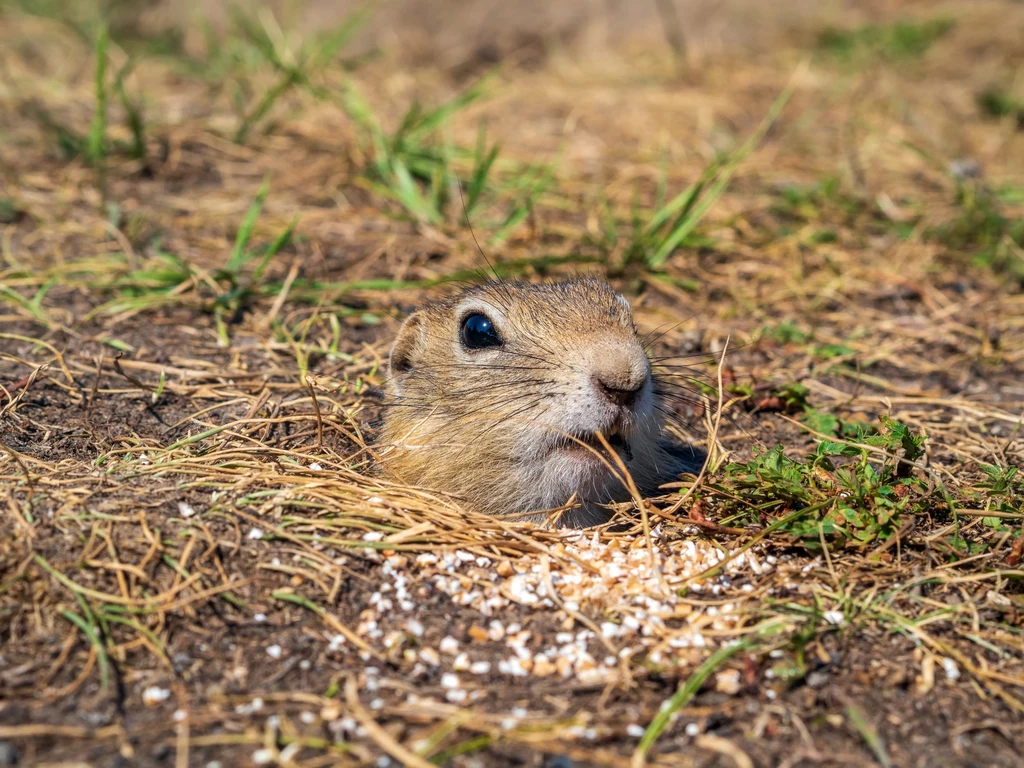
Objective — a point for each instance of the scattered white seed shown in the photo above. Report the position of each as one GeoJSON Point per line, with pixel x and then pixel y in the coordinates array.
{"type": "Point", "coordinates": [448, 680]}
{"type": "Point", "coordinates": [513, 667]}
{"type": "Point", "coordinates": [154, 695]}
{"type": "Point", "coordinates": [185, 509]}
{"type": "Point", "coordinates": [634, 730]}
{"type": "Point", "coordinates": [728, 682]}
{"type": "Point", "coordinates": [274, 651]}
{"type": "Point", "coordinates": [255, 533]}
{"type": "Point", "coordinates": [951, 669]}
{"type": "Point", "coordinates": [449, 645]}
{"type": "Point", "coordinates": [414, 627]}
{"type": "Point", "coordinates": [835, 618]}
{"type": "Point", "coordinates": [456, 695]}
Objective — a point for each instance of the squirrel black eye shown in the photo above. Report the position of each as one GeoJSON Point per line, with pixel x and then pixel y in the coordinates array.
{"type": "Point", "coordinates": [478, 332]}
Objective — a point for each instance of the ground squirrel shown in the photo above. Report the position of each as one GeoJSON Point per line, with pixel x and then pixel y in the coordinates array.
{"type": "Point", "coordinates": [487, 389]}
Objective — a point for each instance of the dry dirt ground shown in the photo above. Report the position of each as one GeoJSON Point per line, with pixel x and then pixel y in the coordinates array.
{"type": "Point", "coordinates": [817, 219]}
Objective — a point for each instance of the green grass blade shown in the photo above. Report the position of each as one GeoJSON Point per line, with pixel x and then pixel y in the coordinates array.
{"type": "Point", "coordinates": [860, 723]}
{"type": "Point", "coordinates": [427, 123]}
{"type": "Point", "coordinates": [256, 36]}
{"type": "Point", "coordinates": [683, 201]}
{"type": "Point", "coordinates": [279, 242]}
{"type": "Point", "coordinates": [662, 189]}
{"type": "Point", "coordinates": [92, 635]}
{"type": "Point", "coordinates": [70, 143]}
{"type": "Point", "coordinates": [443, 177]}
{"type": "Point", "coordinates": [478, 183]}
{"type": "Point", "coordinates": [238, 254]}
{"type": "Point", "coordinates": [13, 297]}
{"type": "Point", "coordinates": [611, 227]}
{"type": "Point", "coordinates": [133, 113]}
{"type": "Point", "coordinates": [98, 129]}
{"type": "Point", "coordinates": [338, 39]}
{"type": "Point", "coordinates": [700, 201]}
{"type": "Point", "coordinates": [683, 696]}
{"type": "Point", "coordinates": [689, 218]}
{"type": "Point", "coordinates": [112, 615]}
{"type": "Point", "coordinates": [266, 102]}
{"type": "Point", "coordinates": [527, 201]}
{"type": "Point", "coordinates": [356, 107]}
{"type": "Point", "coordinates": [409, 194]}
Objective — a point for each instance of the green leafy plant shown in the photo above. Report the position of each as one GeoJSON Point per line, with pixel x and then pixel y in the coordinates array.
{"type": "Point", "coordinates": [997, 102]}
{"type": "Point", "coordinates": [1001, 493]}
{"type": "Point", "coordinates": [899, 41]}
{"type": "Point", "coordinates": [854, 493]}
{"type": "Point", "coordinates": [982, 231]}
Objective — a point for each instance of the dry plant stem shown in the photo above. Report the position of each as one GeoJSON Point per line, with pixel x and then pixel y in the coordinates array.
{"type": "Point", "coordinates": [383, 739]}
{"type": "Point", "coordinates": [319, 418]}
{"type": "Point", "coordinates": [712, 438]}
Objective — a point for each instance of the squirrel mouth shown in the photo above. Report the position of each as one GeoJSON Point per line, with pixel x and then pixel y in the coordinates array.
{"type": "Point", "coordinates": [616, 440]}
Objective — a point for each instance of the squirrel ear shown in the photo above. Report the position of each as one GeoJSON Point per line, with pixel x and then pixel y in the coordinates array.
{"type": "Point", "coordinates": [407, 347]}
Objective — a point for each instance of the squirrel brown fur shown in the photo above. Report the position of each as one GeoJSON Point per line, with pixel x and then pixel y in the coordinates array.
{"type": "Point", "coordinates": [495, 396]}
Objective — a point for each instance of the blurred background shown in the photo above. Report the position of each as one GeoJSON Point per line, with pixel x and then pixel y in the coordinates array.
{"type": "Point", "coordinates": [450, 32]}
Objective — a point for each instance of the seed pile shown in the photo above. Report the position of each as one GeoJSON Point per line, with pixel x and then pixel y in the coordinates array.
{"type": "Point", "coordinates": [643, 596]}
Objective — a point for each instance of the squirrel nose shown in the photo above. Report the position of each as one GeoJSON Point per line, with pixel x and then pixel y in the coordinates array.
{"type": "Point", "coordinates": [620, 376]}
{"type": "Point", "coordinates": [621, 397]}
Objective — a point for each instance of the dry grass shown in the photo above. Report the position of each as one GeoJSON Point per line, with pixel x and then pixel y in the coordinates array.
{"type": "Point", "coordinates": [197, 561]}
